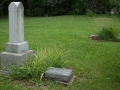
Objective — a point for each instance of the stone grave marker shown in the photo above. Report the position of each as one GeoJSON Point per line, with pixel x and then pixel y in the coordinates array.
{"type": "Point", "coordinates": [115, 10]}
{"type": "Point", "coordinates": [112, 12]}
{"type": "Point", "coordinates": [17, 51]}
{"type": "Point", "coordinates": [60, 75]}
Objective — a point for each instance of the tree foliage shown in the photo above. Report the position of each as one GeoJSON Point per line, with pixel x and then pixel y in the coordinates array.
{"type": "Point", "coordinates": [61, 7]}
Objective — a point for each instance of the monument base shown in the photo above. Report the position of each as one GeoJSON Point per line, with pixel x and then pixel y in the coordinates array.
{"type": "Point", "coordinates": [8, 58]}
{"type": "Point", "coordinates": [16, 47]}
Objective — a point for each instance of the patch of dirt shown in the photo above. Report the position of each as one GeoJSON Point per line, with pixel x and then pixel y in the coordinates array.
{"type": "Point", "coordinates": [25, 84]}
{"type": "Point", "coordinates": [30, 85]}
{"type": "Point", "coordinates": [83, 78]}
{"type": "Point", "coordinates": [44, 88]}
{"type": "Point", "coordinates": [95, 38]}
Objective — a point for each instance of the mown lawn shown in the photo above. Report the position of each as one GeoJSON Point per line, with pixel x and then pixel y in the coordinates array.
{"type": "Point", "coordinates": [96, 65]}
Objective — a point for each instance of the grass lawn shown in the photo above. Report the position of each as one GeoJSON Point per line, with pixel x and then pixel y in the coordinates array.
{"type": "Point", "coordinates": [96, 65]}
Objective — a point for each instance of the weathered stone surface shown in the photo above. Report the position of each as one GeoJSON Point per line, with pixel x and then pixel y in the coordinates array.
{"type": "Point", "coordinates": [112, 12]}
{"type": "Point", "coordinates": [8, 58]}
{"type": "Point", "coordinates": [16, 42]}
{"type": "Point", "coordinates": [59, 74]}
{"type": "Point", "coordinates": [16, 22]}
{"type": "Point", "coordinates": [115, 10]}
{"type": "Point", "coordinates": [16, 47]}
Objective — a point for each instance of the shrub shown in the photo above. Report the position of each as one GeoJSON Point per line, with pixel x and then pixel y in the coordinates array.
{"type": "Point", "coordinates": [35, 68]}
{"type": "Point", "coordinates": [89, 13]}
{"type": "Point", "coordinates": [108, 33]}
{"type": "Point", "coordinates": [79, 7]}
{"type": "Point", "coordinates": [36, 8]}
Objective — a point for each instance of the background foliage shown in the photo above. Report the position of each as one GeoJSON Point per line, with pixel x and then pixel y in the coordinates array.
{"type": "Point", "coordinates": [62, 7]}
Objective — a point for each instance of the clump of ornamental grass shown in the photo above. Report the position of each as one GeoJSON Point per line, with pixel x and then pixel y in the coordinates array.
{"type": "Point", "coordinates": [108, 34]}
{"type": "Point", "coordinates": [35, 68]}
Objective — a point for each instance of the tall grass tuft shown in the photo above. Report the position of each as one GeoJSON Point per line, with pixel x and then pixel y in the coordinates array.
{"type": "Point", "coordinates": [43, 59]}
{"type": "Point", "coordinates": [108, 34]}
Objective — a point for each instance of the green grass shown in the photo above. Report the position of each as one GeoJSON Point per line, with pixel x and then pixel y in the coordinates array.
{"type": "Point", "coordinates": [96, 65]}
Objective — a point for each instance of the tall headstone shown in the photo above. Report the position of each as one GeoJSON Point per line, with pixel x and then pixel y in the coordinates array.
{"type": "Point", "coordinates": [17, 51]}
{"type": "Point", "coordinates": [16, 42]}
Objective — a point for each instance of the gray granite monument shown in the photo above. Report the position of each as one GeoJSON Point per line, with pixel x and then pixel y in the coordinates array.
{"type": "Point", "coordinates": [17, 51]}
